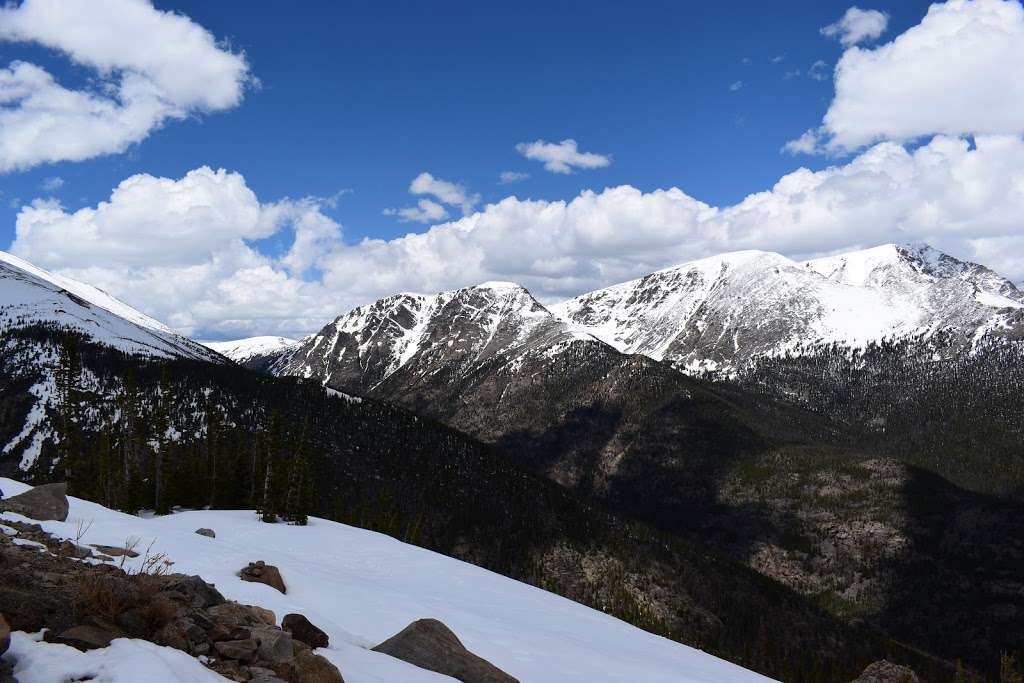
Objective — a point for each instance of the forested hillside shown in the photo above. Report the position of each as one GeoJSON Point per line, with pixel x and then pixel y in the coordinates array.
{"type": "Point", "coordinates": [156, 434]}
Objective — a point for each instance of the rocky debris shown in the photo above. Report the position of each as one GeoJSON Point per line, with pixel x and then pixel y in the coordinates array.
{"type": "Point", "coordinates": [87, 605]}
{"type": "Point", "coordinates": [261, 572]}
{"type": "Point", "coordinates": [304, 631]}
{"type": "Point", "coordinates": [114, 551]}
{"type": "Point", "coordinates": [48, 502]}
{"type": "Point", "coordinates": [209, 533]}
{"type": "Point", "coordinates": [5, 635]}
{"type": "Point", "coordinates": [885, 671]}
{"type": "Point", "coordinates": [429, 644]}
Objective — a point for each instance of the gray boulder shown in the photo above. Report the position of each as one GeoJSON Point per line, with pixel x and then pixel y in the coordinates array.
{"type": "Point", "coordinates": [429, 644]}
{"type": "Point", "coordinates": [86, 637]}
{"type": "Point", "coordinates": [884, 671]}
{"type": "Point", "coordinates": [48, 502]}
{"type": "Point", "coordinates": [209, 533]}
{"type": "Point", "coordinates": [273, 645]}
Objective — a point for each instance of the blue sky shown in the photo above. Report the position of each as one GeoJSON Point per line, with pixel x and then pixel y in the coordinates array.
{"type": "Point", "coordinates": [247, 168]}
{"type": "Point", "coordinates": [363, 96]}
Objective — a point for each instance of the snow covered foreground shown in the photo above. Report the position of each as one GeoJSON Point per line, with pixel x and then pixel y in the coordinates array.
{"type": "Point", "coordinates": [361, 588]}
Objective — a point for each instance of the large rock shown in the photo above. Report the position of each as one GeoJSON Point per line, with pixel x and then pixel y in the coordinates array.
{"type": "Point", "coordinates": [209, 533]}
{"type": "Point", "coordinates": [48, 502]}
{"type": "Point", "coordinates": [194, 591]}
{"type": "Point", "coordinates": [273, 645]}
{"type": "Point", "coordinates": [885, 671]}
{"type": "Point", "coordinates": [5, 635]}
{"type": "Point", "coordinates": [431, 645]}
{"type": "Point", "coordinates": [242, 650]}
{"type": "Point", "coordinates": [261, 572]}
{"type": "Point", "coordinates": [312, 668]}
{"type": "Point", "coordinates": [302, 630]}
{"type": "Point", "coordinates": [86, 637]}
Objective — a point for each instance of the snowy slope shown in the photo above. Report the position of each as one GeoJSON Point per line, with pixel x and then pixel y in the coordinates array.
{"type": "Point", "coordinates": [718, 312]}
{"type": "Point", "coordinates": [31, 295]}
{"type": "Point", "coordinates": [362, 587]}
{"type": "Point", "coordinates": [241, 350]}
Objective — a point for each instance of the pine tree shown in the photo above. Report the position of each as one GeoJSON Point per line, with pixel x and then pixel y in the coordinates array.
{"type": "Point", "coordinates": [68, 379]}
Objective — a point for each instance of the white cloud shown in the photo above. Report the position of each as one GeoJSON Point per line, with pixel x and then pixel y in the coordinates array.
{"type": "Point", "coordinates": [425, 211]}
{"type": "Point", "coordinates": [52, 184]}
{"type": "Point", "coordinates": [182, 250]}
{"type": "Point", "coordinates": [808, 143]}
{"type": "Point", "coordinates": [735, 85]}
{"type": "Point", "coordinates": [429, 211]}
{"type": "Point", "coordinates": [447, 192]}
{"type": "Point", "coordinates": [562, 157]}
{"type": "Point", "coordinates": [857, 26]}
{"type": "Point", "coordinates": [955, 73]}
{"type": "Point", "coordinates": [150, 67]}
{"type": "Point", "coordinates": [509, 177]}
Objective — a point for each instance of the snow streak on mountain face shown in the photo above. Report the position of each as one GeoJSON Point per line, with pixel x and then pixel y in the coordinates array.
{"type": "Point", "coordinates": [719, 312]}
{"type": "Point", "coordinates": [31, 296]}
{"type": "Point", "coordinates": [421, 335]}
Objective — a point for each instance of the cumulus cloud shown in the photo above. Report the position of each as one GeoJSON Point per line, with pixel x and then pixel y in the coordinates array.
{"type": "Point", "coordinates": [735, 85]}
{"type": "Point", "coordinates": [429, 211]}
{"type": "Point", "coordinates": [150, 67]}
{"type": "Point", "coordinates": [192, 259]}
{"type": "Point", "coordinates": [857, 26]}
{"type": "Point", "coordinates": [952, 74]}
{"type": "Point", "coordinates": [562, 157]}
{"type": "Point", "coordinates": [509, 177]}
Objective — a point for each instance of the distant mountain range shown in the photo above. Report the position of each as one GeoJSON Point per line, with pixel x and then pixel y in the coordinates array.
{"type": "Point", "coordinates": [713, 315]}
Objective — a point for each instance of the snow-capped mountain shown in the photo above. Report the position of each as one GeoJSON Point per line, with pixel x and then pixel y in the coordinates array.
{"type": "Point", "coordinates": [242, 350]}
{"type": "Point", "coordinates": [421, 336]}
{"type": "Point", "coordinates": [719, 312]}
{"type": "Point", "coordinates": [31, 296]}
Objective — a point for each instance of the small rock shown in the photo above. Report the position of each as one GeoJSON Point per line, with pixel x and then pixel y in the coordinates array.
{"type": "Point", "coordinates": [69, 549]}
{"type": "Point", "coordinates": [312, 668]}
{"type": "Point", "coordinates": [5, 635]}
{"type": "Point", "coordinates": [261, 572]}
{"type": "Point", "coordinates": [301, 629]}
{"type": "Point", "coordinates": [47, 502]}
{"type": "Point", "coordinates": [261, 675]}
{"type": "Point", "coordinates": [429, 644]}
{"type": "Point", "coordinates": [242, 650]}
{"type": "Point", "coordinates": [274, 645]}
{"type": "Point", "coordinates": [884, 671]}
{"type": "Point", "coordinates": [85, 637]}
{"type": "Point", "coordinates": [114, 551]}
{"type": "Point", "coordinates": [209, 533]}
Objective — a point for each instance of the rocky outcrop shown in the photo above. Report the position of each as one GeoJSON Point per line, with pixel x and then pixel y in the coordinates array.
{"type": "Point", "coordinates": [302, 630]}
{"type": "Point", "coordinates": [261, 572]}
{"type": "Point", "coordinates": [429, 644]}
{"type": "Point", "coordinates": [88, 605]}
{"type": "Point", "coordinates": [885, 671]}
{"type": "Point", "coordinates": [48, 502]}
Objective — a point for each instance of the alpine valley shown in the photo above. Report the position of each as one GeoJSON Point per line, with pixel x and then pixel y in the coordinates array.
{"type": "Point", "coordinates": [798, 467]}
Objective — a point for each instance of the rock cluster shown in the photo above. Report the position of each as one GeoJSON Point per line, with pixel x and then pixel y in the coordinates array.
{"type": "Point", "coordinates": [885, 671]}
{"type": "Point", "coordinates": [86, 606]}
